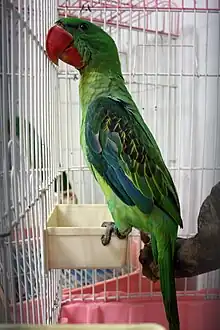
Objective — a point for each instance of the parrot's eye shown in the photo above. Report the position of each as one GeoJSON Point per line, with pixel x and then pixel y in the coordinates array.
{"type": "Point", "coordinates": [83, 27]}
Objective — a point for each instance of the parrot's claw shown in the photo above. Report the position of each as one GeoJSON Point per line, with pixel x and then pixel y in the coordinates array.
{"type": "Point", "coordinates": [110, 229]}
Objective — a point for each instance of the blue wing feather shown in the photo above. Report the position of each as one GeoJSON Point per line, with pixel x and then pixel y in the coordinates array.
{"type": "Point", "coordinates": [106, 158]}
{"type": "Point", "coordinates": [125, 154]}
{"type": "Point", "coordinates": [112, 160]}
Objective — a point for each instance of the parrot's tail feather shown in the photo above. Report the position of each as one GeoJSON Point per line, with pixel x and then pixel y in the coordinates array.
{"type": "Point", "coordinates": [168, 287]}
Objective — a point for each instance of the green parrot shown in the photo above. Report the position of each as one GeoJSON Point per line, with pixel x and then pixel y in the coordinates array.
{"type": "Point", "coordinates": [119, 148]}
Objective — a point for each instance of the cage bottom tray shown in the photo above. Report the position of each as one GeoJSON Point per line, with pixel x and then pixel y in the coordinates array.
{"type": "Point", "coordinates": [109, 302]}
{"type": "Point", "coordinates": [126, 301]}
{"type": "Point", "coordinates": [196, 313]}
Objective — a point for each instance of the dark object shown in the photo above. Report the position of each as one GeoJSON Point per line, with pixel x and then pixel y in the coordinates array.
{"type": "Point", "coordinates": [110, 229]}
{"type": "Point", "coordinates": [85, 8]}
{"type": "Point", "coordinates": [65, 183]}
{"type": "Point", "coordinates": [196, 255]}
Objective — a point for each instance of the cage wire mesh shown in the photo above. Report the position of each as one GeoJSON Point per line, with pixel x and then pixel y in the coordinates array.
{"type": "Point", "coordinates": [170, 60]}
{"type": "Point", "coordinates": [28, 163]}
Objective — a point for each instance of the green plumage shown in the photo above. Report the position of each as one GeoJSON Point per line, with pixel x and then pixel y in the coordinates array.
{"type": "Point", "coordinates": [123, 155]}
{"type": "Point", "coordinates": [118, 139]}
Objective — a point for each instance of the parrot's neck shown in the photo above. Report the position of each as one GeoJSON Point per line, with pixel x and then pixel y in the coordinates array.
{"type": "Point", "coordinates": [95, 83]}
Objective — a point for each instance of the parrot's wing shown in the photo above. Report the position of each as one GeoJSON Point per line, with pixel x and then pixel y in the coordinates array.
{"type": "Point", "coordinates": [124, 152]}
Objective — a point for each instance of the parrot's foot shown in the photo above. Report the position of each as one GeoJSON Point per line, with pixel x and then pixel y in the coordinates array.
{"type": "Point", "coordinates": [110, 229]}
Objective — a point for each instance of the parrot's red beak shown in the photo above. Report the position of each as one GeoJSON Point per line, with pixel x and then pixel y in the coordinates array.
{"type": "Point", "coordinates": [59, 45]}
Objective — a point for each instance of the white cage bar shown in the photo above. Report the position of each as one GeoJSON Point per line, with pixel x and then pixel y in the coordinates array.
{"type": "Point", "coordinates": [28, 158]}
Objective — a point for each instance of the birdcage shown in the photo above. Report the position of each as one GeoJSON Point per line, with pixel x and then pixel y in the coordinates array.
{"type": "Point", "coordinates": [169, 53]}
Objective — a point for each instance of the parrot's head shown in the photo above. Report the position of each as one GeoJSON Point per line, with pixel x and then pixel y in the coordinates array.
{"type": "Point", "coordinates": [81, 44]}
